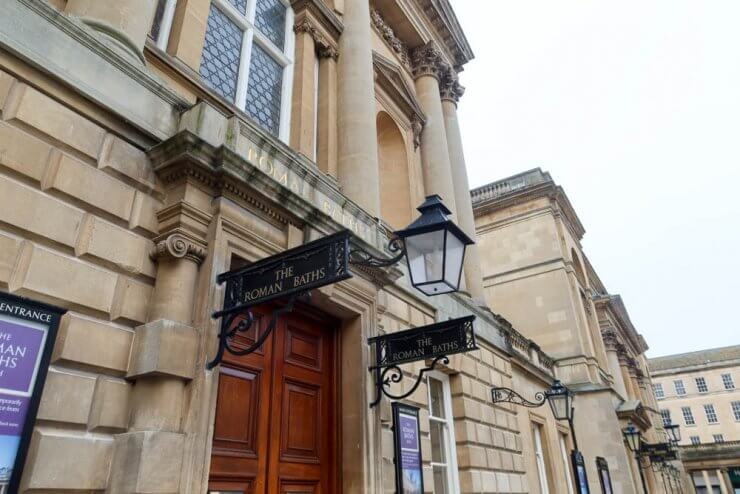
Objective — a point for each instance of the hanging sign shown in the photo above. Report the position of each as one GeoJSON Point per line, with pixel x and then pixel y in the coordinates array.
{"type": "Point", "coordinates": [604, 476]}
{"type": "Point", "coordinates": [312, 265]}
{"type": "Point", "coordinates": [579, 468]}
{"type": "Point", "coordinates": [27, 334]}
{"type": "Point", "coordinates": [425, 342]}
{"type": "Point", "coordinates": [409, 476]}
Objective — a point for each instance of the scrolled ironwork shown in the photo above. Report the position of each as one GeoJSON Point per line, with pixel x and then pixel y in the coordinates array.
{"type": "Point", "coordinates": [393, 374]}
{"type": "Point", "coordinates": [361, 257]}
{"type": "Point", "coordinates": [508, 395]}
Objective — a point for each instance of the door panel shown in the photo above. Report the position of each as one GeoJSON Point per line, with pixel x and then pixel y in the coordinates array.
{"type": "Point", "coordinates": [275, 424]}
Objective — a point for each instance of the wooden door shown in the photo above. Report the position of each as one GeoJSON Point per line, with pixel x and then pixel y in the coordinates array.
{"type": "Point", "coordinates": [276, 425]}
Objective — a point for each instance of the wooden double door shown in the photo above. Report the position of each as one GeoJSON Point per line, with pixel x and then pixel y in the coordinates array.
{"type": "Point", "coordinates": [276, 420]}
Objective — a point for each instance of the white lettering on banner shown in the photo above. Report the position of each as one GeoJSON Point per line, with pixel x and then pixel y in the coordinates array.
{"type": "Point", "coordinates": [23, 312]}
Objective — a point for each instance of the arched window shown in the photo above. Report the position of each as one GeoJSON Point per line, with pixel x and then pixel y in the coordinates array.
{"type": "Point", "coordinates": [395, 193]}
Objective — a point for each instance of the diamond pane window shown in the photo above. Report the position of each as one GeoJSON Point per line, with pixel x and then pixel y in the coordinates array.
{"type": "Point", "coordinates": [270, 20]}
{"type": "Point", "coordinates": [241, 5]}
{"type": "Point", "coordinates": [264, 89]}
{"type": "Point", "coordinates": [219, 66]}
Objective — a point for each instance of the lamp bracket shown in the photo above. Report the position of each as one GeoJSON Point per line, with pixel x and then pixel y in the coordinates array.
{"type": "Point", "coordinates": [361, 257]}
{"type": "Point", "coordinates": [384, 377]}
{"type": "Point", "coordinates": [229, 329]}
{"type": "Point", "coordinates": [508, 395]}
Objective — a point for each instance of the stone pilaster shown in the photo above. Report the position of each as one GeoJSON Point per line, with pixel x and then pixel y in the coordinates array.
{"type": "Point", "coordinates": [609, 337]}
{"type": "Point", "coordinates": [428, 66]}
{"type": "Point", "coordinates": [127, 22]}
{"type": "Point", "coordinates": [357, 159]}
{"type": "Point", "coordinates": [451, 91]}
{"type": "Point", "coordinates": [302, 131]}
{"type": "Point", "coordinates": [149, 457]}
{"type": "Point", "coordinates": [326, 147]}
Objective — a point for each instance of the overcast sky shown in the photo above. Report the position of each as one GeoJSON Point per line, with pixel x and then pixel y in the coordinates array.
{"type": "Point", "coordinates": [634, 108]}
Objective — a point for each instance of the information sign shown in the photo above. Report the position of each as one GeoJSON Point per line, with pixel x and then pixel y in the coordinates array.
{"type": "Point", "coordinates": [27, 334]}
{"type": "Point", "coordinates": [409, 475]}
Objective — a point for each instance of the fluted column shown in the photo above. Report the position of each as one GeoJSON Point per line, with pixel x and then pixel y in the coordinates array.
{"type": "Point", "coordinates": [303, 104]}
{"type": "Point", "coordinates": [126, 21]}
{"type": "Point", "coordinates": [428, 65]}
{"type": "Point", "coordinates": [357, 160]}
{"type": "Point", "coordinates": [451, 93]}
{"type": "Point", "coordinates": [326, 147]}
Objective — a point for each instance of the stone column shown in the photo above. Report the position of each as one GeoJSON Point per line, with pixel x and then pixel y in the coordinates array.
{"type": "Point", "coordinates": [609, 336]}
{"type": "Point", "coordinates": [148, 458]}
{"type": "Point", "coordinates": [126, 21]}
{"type": "Point", "coordinates": [708, 482]}
{"type": "Point", "coordinates": [428, 65]}
{"type": "Point", "coordinates": [326, 149]}
{"type": "Point", "coordinates": [451, 93]}
{"type": "Point", "coordinates": [357, 159]}
{"type": "Point", "coordinates": [303, 105]}
{"type": "Point", "coordinates": [724, 486]}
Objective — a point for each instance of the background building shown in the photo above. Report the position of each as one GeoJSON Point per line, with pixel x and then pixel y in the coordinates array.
{"type": "Point", "coordinates": [698, 391]}
{"type": "Point", "coordinates": [537, 276]}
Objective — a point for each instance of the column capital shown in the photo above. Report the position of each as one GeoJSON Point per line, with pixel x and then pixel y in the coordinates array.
{"type": "Point", "coordinates": [449, 86]}
{"type": "Point", "coordinates": [609, 336]}
{"type": "Point", "coordinates": [325, 50]}
{"type": "Point", "coordinates": [178, 246]}
{"type": "Point", "coordinates": [426, 60]}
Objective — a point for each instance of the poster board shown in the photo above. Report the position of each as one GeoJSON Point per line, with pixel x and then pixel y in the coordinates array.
{"type": "Point", "coordinates": [28, 330]}
{"type": "Point", "coordinates": [579, 469]}
{"type": "Point", "coordinates": [605, 479]}
{"type": "Point", "coordinates": [407, 445]}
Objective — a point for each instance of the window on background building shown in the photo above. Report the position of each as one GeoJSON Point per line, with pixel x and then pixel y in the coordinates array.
{"type": "Point", "coordinates": [728, 382]}
{"type": "Point", "coordinates": [539, 455]}
{"type": "Point", "coordinates": [658, 389]}
{"type": "Point", "coordinates": [442, 435]}
{"type": "Point", "coordinates": [711, 414]}
{"type": "Point", "coordinates": [666, 414]}
{"type": "Point", "coordinates": [718, 438]}
{"type": "Point", "coordinates": [695, 440]}
{"type": "Point", "coordinates": [566, 463]}
{"type": "Point", "coordinates": [162, 23]}
{"type": "Point", "coordinates": [736, 410]}
{"type": "Point", "coordinates": [688, 417]}
{"type": "Point", "coordinates": [701, 385]}
{"type": "Point", "coordinates": [680, 389]}
{"type": "Point", "coordinates": [247, 58]}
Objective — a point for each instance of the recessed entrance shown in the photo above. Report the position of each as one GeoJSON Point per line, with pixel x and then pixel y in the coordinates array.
{"type": "Point", "coordinates": [276, 428]}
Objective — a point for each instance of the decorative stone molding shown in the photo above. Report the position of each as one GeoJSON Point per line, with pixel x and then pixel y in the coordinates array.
{"type": "Point", "coordinates": [609, 336]}
{"type": "Point", "coordinates": [177, 246]}
{"type": "Point", "coordinates": [449, 86]}
{"type": "Point", "coordinates": [327, 51]}
{"type": "Point", "coordinates": [416, 127]}
{"type": "Point", "coordinates": [324, 48]}
{"type": "Point", "coordinates": [389, 36]}
{"type": "Point", "coordinates": [427, 60]}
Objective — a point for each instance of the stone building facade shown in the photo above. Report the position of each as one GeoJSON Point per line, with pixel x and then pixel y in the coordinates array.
{"type": "Point", "coordinates": [536, 275]}
{"type": "Point", "coordinates": [146, 147]}
{"type": "Point", "coordinates": [699, 392]}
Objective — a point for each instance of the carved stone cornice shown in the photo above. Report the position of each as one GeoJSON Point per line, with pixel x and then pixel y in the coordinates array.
{"type": "Point", "coordinates": [426, 60]}
{"type": "Point", "coordinates": [389, 36]}
{"type": "Point", "coordinates": [178, 246]}
{"type": "Point", "coordinates": [324, 48]}
{"type": "Point", "coordinates": [449, 86]}
{"type": "Point", "coordinates": [448, 29]}
{"type": "Point", "coordinates": [609, 336]}
{"type": "Point", "coordinates": [322, 13]}
{"type": "Point", "coordinates": [327, 51]}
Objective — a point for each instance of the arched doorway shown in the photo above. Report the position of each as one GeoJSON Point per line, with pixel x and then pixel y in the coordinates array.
{"type": "Point", "coordinates": [395, 191]}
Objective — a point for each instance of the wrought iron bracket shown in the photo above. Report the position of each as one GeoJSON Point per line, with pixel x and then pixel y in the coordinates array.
{"type": "Point", "coordinates": [508, 395]}
{"type": "Point", "coordinates": [229, 329]}
{"type": "Point", "coordinates": [361, 257]}
{"type": "Point", "coordinates": [385, 376]}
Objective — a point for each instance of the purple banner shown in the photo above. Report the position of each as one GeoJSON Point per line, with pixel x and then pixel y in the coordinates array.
{"type": "Point", "coordinates": [410, 455]}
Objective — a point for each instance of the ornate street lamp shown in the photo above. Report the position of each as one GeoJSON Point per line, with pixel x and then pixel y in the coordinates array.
{"type": "Point", "coordinates": [674, 433]}
{"type": "Point", "coordinates": [434, 247]}
{"type": "Point", "coordinates": [560, 399]}
{"type": "Point", "coordinates": [633, 437]}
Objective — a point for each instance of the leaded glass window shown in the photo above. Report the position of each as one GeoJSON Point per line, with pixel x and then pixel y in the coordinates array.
{"type": "Point", "coordinates": [247, 58]}
{"type": "Point", "coordinates": [219, 66]}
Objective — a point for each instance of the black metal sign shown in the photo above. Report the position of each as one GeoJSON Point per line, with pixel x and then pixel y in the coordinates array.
{"type": "Point", "coordinates": [663, 456]}
{"type": "Point", "coordinates": [407, 445]}
{"type": "Point", "coordinates": [657, 449]}
{"type": "Point", "coordinates": [28, 330]}
{"type": "Point", "coordinates": [425, 342]}
{"type": "Point", "coordinates": [312, 265]}
{"type": "Point", "coordinates": [288, 275]}
{"type": "Point", "coordinates": [432, 342]}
